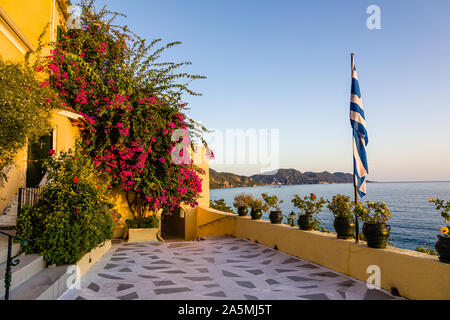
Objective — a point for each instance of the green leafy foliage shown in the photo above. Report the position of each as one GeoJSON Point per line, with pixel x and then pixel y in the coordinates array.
{"type": "Point", "coordinates": [444, 208]}
{"type": "Point", "coordinates": [258, 204]}
{"type": "Point", "coordinates": [309, 204]}
{"type": "Point", "coordinates": [317, 225]}
{"type": "Point", "coordinates": [426, 249]}
{"type": "Point", "coordinates": [272, 201]}
{"type": "Point", "coordinates": [73, 215]}
{"type": "Point", "coordinates": [133, 105]}
{"type": "Point", "coordinates": [220, 205]}
{"type": "Point", "coordinates": [151, 221]}
{"type": "Point", "coordinates": [373, 212]}
{"type": "Point", "coordinates": [341, 206]}
{"type": "Point", "coordinates": [25, 111]}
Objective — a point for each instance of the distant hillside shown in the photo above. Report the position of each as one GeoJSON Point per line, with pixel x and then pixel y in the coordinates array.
{"type": "Point", "coordinates": [228, 180]}
{"type": "Point", "coordinates": [292, 177]}
{"type": "Point", "coordinates": [281, 177]}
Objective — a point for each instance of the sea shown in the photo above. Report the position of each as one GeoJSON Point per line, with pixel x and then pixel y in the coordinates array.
{"type": "Point", "coordinates": [414, 221]}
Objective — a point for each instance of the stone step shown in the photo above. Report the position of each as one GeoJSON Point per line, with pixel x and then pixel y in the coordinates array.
{"type": "Point", "coordinates": [49, 284]}
{"type": "Point", "coordinates": [7, 220]}
{"type": "Point", "coordinates": [29, 266]}
{"type": "Point", "coordinates": [11, 209]}
{"type": "Point", "coordinates": [4, 251]}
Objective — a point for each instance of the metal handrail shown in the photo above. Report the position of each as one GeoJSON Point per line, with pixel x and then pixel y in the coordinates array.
{"type": "Point", "coordinates": [11, 261]}
{"type": "Point", "coordinates": [217, 220]}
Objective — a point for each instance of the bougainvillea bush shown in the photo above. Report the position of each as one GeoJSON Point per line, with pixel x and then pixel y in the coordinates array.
{"type": "Point", "coordinates": [73, 215]}
{"type": "Point", "coordinates": [136, 118]}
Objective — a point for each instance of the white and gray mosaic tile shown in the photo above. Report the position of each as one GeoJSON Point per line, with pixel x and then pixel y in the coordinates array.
{"type": "Point", "coordinates": [214, 268]}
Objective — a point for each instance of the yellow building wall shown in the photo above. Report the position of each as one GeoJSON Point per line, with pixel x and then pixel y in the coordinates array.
{"type": "Point", "coordinates": [15, 179]}
{"type": "Point", "coordinates": [30, 17]}
{"type": "Point", "coordinates": [64, 133]}
{"type": "Point", "coordinates": [33, 16]}
{"type": "Point", "coordinates": [9, 51]}
{"type": "Point", "coordinates": [64, 138]}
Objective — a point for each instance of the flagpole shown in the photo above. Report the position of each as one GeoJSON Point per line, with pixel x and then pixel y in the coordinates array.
{"type": "Point", "coordinates": [355, 187]}
{"type": "Point", "coordinates": [355, 212]}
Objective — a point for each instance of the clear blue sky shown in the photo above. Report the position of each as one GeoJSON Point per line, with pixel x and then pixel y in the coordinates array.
{"type": "Point", "coordinates": [286, 65]}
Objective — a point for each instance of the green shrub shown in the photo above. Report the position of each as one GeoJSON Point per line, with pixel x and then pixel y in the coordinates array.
{"type": "Point", "coordinates": [151, 221]}
{"type": "Point", "coordinates": [73, 214]}
{"type": "Point", "coordinates": [426, 249]}
{"type": "Point", "coordinates": [220, 205]}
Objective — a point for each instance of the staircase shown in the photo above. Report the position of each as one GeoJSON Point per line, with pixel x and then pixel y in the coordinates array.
{"type": "Point", "coordinates": [31, 279]}
{"type": "Point", "coordinates": [9, 216]}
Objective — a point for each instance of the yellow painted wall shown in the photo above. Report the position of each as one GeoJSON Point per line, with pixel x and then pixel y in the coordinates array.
{"type": "Point", "coordinates": [30, 17]}
{"type": "Point", "coordinates": [8, 51]}
{"type": "Point", "coordinates": [16, 179]}
{"type": "Point", "coordinates": [66, 133]}
{"type": "Point", "coordinates": [415, 275]}
{"type": "Point", "coordinates": [65, 138]}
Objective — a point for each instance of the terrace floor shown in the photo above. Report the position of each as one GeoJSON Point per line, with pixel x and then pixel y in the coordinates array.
{"type": "Point", "coordinates": [214, 268]}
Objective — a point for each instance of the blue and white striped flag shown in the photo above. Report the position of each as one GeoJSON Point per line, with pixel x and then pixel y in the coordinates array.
{"type": "Point", "coordinates": [360, 137]}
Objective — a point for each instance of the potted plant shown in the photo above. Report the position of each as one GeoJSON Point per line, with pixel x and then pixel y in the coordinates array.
{"type": "Point", "coordinates": [257, 206]}
{"type": "Point", "coordinates": [442, 246]}
{"type": "Point", "coordinates": [143, 229]}
{"type": "Point", "coordinates": [241, 201]}
{"type": "Point", "coordinates": [344, 221]}
{"type": "Point", "coordinates": [375, 230]}
{"type": "Point", "coordinates": [308, 206]}
{"type": "Point", "coordinates": [275, 215]}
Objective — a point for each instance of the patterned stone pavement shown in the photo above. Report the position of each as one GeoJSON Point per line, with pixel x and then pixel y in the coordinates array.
{"type": "Point", "coordinates": [214, 268]}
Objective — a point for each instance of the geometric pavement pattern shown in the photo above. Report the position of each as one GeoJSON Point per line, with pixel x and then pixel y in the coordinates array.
{"type": "Point", "coordinates": [214, 268]}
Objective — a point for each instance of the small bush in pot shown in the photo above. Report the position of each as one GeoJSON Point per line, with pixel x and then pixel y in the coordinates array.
{"type": "Point", "coordinates": [344, 221]}
{"type": "Point", "coordinates": [241, 201]}
{"type": "Point", "coordinates": [309, 205]}
{"type": "Point", "coordinates": [275, 215]}
{"type": "Point", "coordinates": [443, 244]}
{"type": "Point", "coordinates": [375, 230]}
{"type": "Point", "coordinates": [257, 206]}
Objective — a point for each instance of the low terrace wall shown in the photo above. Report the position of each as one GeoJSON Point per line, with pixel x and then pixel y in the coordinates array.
{"type": "Point", "coordinates": [415, 275]}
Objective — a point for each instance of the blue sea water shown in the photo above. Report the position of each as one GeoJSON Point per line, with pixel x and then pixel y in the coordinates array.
{"type": "Point", "coordinates": [414, 220]}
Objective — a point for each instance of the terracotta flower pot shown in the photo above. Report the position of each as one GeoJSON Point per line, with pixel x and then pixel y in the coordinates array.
{"type": "Point", "coordinates": [443, 248]}
{"type": "Point", "coordinates": [345, 227]}
{"type": "Point", "coordinates": [275, 217]}
{"type": "Point", "coordinates": [376, 234]}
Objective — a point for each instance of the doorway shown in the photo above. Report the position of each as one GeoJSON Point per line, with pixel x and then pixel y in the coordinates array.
{"type": "Point", "coordinates": [173, 226]}
{"type": "Point", "coordinates": [38, 152]}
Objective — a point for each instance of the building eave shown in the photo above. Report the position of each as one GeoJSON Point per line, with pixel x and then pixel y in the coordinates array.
{"type": "Point", "coordinates": [13, 28]}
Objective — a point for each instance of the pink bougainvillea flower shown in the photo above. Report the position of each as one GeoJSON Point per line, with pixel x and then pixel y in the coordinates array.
{"type": "Point", "coordinates": [51, 152]}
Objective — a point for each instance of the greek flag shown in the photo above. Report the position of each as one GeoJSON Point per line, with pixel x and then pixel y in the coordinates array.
{"type": "Point", "coordinates": [360, 137]}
